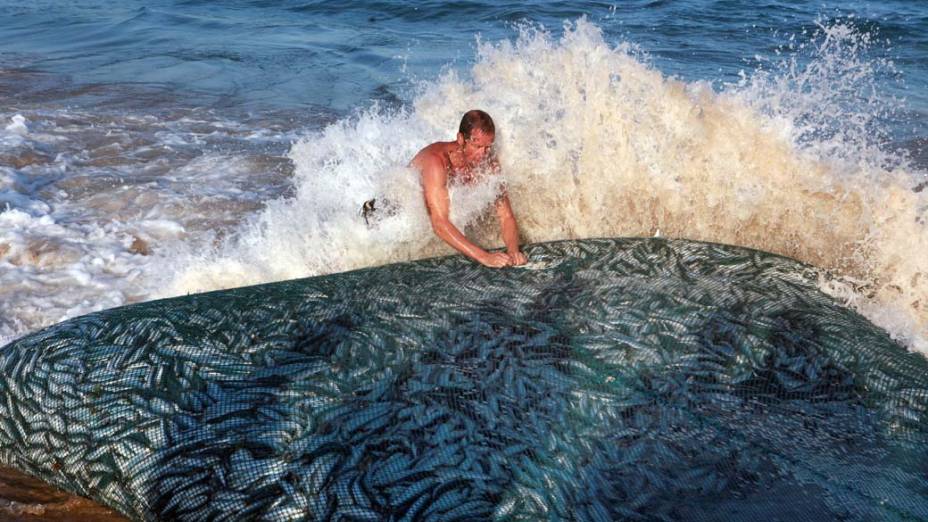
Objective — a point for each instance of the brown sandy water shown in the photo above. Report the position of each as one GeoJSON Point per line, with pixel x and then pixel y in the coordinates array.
{"type": "Point", "coordinates": [27, 499]}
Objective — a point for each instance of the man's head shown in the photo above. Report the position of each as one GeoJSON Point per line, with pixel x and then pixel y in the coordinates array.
{"type": "Point", "coordinates": [475, 136]}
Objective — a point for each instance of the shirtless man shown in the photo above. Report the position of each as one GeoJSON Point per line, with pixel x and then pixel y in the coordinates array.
{"type": "Point", "coordinates": [444, 161]}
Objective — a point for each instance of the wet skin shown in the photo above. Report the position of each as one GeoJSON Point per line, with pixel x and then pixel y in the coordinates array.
{"type": "Point", "coordinates": [445, 160]}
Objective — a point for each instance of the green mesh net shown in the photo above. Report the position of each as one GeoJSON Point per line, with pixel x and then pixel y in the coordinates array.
{"type": "Point", "coordinates": [610, 379]}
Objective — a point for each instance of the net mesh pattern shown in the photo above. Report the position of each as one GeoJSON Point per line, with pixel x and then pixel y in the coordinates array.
{"type": "Point", "coordinates": [640, 379]}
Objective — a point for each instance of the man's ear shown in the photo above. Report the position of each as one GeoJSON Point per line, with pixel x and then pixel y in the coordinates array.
{"type": "Point", "coordinates": [460, 139]}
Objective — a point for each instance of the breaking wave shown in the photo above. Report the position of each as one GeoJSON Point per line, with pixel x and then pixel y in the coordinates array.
{"type": "Point", "coordinates": [595, 142]}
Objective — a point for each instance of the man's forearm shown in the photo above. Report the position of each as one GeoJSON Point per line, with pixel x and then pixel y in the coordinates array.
{"type": "Point", "coordinates": [450, 234]}
{"type": "Point", "coordinates": [510, 232]}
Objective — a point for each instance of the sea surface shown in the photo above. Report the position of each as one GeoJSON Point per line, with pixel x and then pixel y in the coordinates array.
{"type": "Point", "coordinates": [151, 149]}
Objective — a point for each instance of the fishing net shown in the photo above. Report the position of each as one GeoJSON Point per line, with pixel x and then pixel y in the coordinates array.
{"type": "Point", "coordinates": [609, 379]}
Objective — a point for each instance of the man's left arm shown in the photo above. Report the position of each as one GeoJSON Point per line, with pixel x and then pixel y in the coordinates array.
{"type": "Point", "coordinates": [509, 229]}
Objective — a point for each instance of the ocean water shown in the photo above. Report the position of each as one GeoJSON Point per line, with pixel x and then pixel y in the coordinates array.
{"type": "Point", "coordinates": [167, 147]}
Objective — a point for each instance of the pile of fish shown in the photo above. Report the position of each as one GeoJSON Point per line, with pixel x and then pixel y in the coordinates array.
{"type": "Point", "coordinates": [616, 378]}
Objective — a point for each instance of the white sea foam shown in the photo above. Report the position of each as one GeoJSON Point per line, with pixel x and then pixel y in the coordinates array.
{"type": "Point", "coordinates": [87, 220]}
{"type": "Point", "coordinates": [12, 134]}
{"type": "Point", "coordinates": [320, 229]}
{"type": "Point", "coordinates": [17, 125]}
{"type": "Point", "coordinates": [595, 143]}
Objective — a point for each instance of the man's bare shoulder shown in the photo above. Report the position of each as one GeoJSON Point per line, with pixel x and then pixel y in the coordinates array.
{"type": "Point", "coordinates": [432, 156]}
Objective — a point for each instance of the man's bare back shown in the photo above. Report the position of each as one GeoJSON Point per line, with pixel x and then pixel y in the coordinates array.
{"type": "Point", "coordinates": [445, 160]}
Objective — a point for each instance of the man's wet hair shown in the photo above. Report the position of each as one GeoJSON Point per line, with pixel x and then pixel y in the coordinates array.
{"type": "Point", "coordinates": [476, 119]}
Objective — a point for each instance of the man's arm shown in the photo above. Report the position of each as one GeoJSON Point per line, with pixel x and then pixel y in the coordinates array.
{"type": "Point", "coordinates": [434, 179]}
{"type": "Point", "coordinates": [510, 229]}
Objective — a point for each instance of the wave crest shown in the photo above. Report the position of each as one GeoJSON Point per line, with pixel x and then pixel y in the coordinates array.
{"type": "Point", "coordinates": [594, 142]}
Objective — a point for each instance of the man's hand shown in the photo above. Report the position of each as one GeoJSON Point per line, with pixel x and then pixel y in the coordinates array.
{"type": "Point", "coordinates": [495, 260]}
{"type": "Point", "coordinates": [517, 258]}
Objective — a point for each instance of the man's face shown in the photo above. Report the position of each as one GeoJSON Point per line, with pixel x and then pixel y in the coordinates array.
{"type": "Point", "coordinates": [477, 147]}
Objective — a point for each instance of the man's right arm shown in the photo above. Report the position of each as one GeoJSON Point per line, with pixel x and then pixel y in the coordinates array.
{"type": "Point", "coordinates": [437, 202]}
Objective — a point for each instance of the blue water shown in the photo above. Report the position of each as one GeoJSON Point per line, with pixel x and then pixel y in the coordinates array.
{"type": "Point", "coordinates": [340, 56]}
